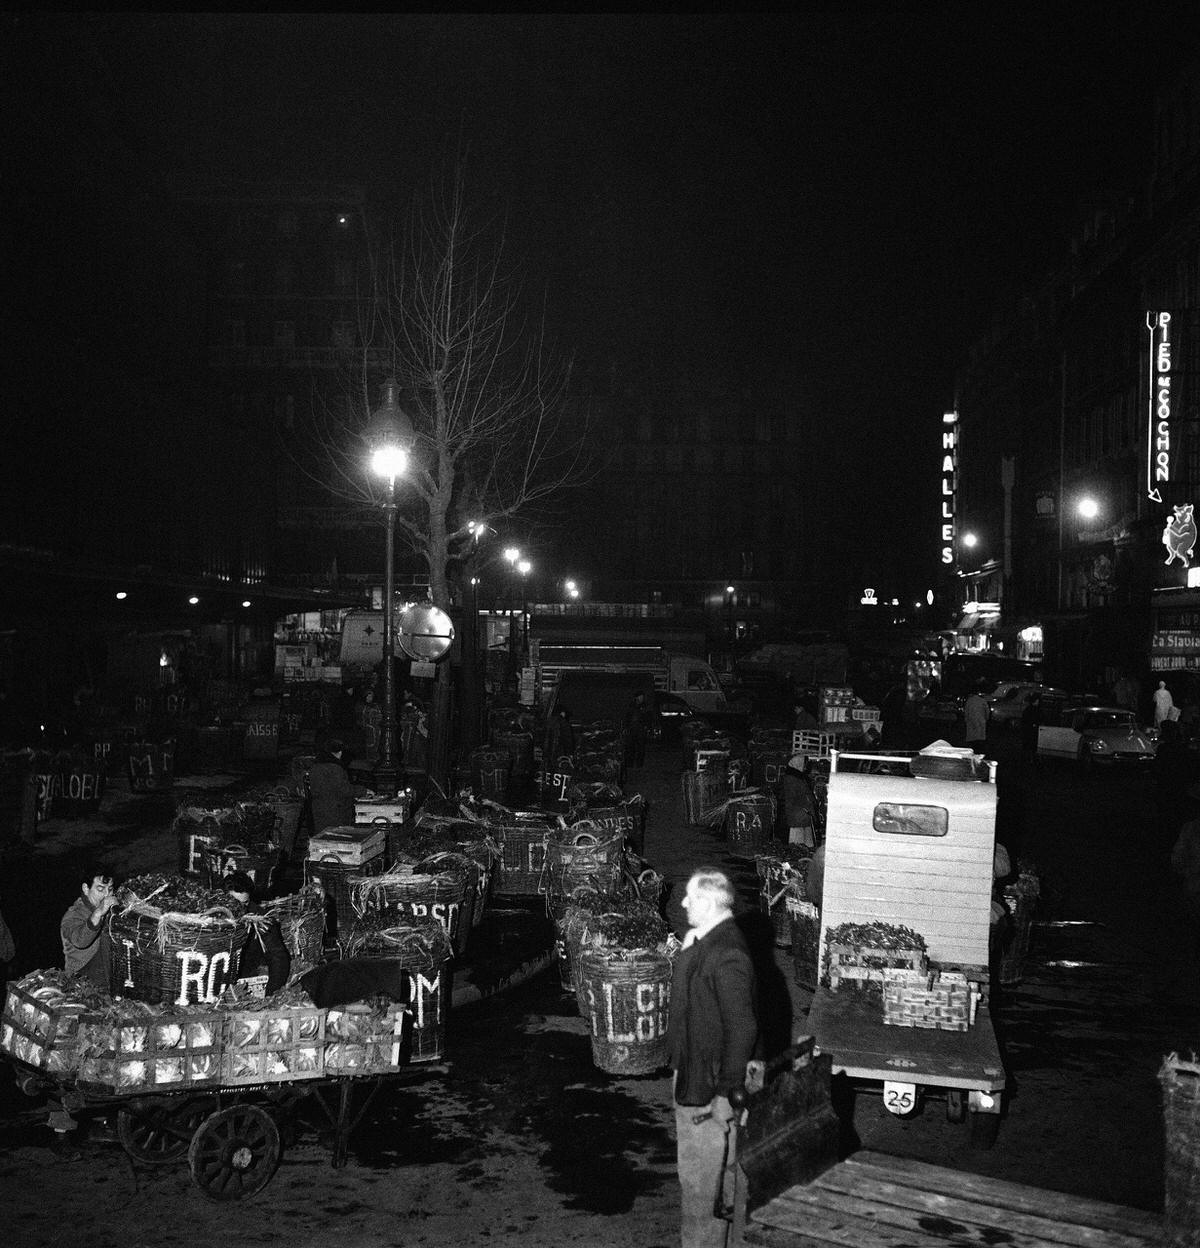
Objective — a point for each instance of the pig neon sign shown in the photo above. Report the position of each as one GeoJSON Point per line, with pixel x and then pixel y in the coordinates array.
{"type": "Point", "coordinates": [949, 475]}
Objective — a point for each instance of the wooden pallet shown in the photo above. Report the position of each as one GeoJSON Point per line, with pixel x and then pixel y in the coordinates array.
{"type": "Point", "coordinates": [872, 1200]}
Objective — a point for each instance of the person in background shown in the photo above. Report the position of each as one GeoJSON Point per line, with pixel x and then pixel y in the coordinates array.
{"type": "Point", "coordinates": [1031, 718]}
{"type": "Point", "coordinates": [975, 713]}
{"type": "Point", "coordinates": [635, 731]}
{"type": "Point", "coordinates": [87, 946]}
{"type": "Point", "coordinates": [1164, 704]}
{"type": "Point", "coordinates": [264, 953]}
{"type": "Point", "coordinates": [803, 720]}
{"type": "Point", "coordinates": [329, 785]}
{"type": "Point", "coordinates": [712, 1038]}
{"type": "Point", "coordinates": [560, 738]}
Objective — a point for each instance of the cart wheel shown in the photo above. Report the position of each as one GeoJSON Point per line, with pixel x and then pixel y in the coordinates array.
{"type": "Point", "coordinates": [156, 1131]}
{"type": "Point", "coordinates": [984, 1129]}
{"type": "Point", "coordinates": [234, 1153]}
{"type": "Point", "coordinates": [956, 1105]}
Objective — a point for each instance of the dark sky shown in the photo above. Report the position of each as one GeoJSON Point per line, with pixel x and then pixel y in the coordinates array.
{"type": "Point", "coordinates": [837, 199]}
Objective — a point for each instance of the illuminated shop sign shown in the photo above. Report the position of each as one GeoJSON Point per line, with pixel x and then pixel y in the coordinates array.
{"type": "Point", "coordinates": [1158, 422]}
{"type": "Point", "coordinates": [949, 474]}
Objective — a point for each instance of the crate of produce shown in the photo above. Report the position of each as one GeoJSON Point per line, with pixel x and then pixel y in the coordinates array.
{"type": "Point", "coordinates": [134, 1047]}
{"type": "Point", "coordinates": [352, 846]}
{"type": "Point", "coordinates": [365, 1039]}
{"type": "Point", "coordinates": [396, 809]}
{"type": "Point", "coordinates": [857, 954]}
{"type": "Point", "coordinates": [915, 998]}
{"type": "Point", "coordinates": [276, 1040]}
{"type": "Point", "coordinates": [40, 1022]}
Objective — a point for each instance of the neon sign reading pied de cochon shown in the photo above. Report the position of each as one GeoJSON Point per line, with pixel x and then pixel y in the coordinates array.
{"type": "Point", "coordinates": [1158, 431]}
{"type": "Point", "coordinates": [949, 471]}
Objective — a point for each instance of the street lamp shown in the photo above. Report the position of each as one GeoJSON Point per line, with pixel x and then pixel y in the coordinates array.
{"type": "Point", "coordinates": [525, 567]}
{"type": "Point", "coordinates": [1088, 508]}
{"type": "Point", "coordinates": [389, 437]}
{"type": "Point", "coordinates": [970, 541]}
{"type": "Point", "coordinates": [511, 555]}
{"type": "Point", "coordinates": [730, 599]}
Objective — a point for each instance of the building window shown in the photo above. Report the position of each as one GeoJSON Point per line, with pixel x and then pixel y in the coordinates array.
{"type": "Point", "coordinates": [285, 334]}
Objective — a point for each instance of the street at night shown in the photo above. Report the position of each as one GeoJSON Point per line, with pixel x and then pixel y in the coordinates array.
{"type": "Point", "coordinates": [600, 628]}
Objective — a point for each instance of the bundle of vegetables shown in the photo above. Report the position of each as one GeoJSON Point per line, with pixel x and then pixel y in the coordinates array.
{"type": "Point", "coordinates": [156, 893]}
{"type": "Point", "coordinates": [280, 1037]}
{"type": "Point", "coordinates": [625, 926]}
{"type": "Point", "coordinates": [131, 1045]}
{"type": "Point", "coordinates": [868, 936]}
{"type": "Point", "coordinates": [784, 859]}
{"type": "Point", "coordinates": [418, 941]}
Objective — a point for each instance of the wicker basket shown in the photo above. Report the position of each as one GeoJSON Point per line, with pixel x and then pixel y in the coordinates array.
{"type": "Point", "coordinates": [579, 858]}
{"type": "Point", "coordinates": [196, 826]}
{"type": "Point", "coordinates": [335, 878]}
{"type": "Point", "coordinates": [806, 941]}
{"type": "Point", "coordinates": [522, 857]}
{"type": "Point", "coordinates": [490, 772]}
{"type": "Point", "coordinates": [302, 925]}
{"type": "Point", "coordinates": [627, 817]}
{"type": "Point", "coordinates": [750, 819]}
{"type": "Point", "coordinates": [380, 902]}
{"type": "Point", "coordinates": [218, 861]}
{"type": "Point", "coordinates": [422, 948]}
{"type": "Point", "coordinates": [288, 806]}
{"type": "Point", "coordinates": [1181, 1119]}
{"type": "Point", "coordinates": [651, 888]}
{"type": "Point", "coordinates": [172, 958]}
{"type": "Point", "coordinates": [519, 747]}
{"type": "Point", "coordinates": [628, 999]}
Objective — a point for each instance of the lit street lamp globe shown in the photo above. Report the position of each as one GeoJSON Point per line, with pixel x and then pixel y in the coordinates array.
{"type": "Point", "coordinates": [1089, 509]}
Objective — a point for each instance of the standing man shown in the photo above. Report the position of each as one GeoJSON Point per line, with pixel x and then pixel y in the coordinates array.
{"type": "Point", "coordinates": [712, 1034]}
{"type": "Point", "coordinates": [635, 732]}
{"type": "Point", "coordinates": [1164, 704]}
{"type": "Point", "coordinates": [330, 790]}
{"type": "Point", "coordinates": [975, 712]}
{"type": "Point", "coordinates": [87, 947]}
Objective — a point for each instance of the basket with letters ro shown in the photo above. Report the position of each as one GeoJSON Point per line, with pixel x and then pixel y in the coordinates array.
{"type": "Point", "coordinates": [174, 942]}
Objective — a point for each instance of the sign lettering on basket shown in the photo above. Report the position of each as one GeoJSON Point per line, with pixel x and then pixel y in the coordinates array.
{"type": "Point", "coordinates": [651, 1020]}
{"type": "Point", "coordinates": [201, 970]}
{"type": "Point", "coordinates": [425, 989]}
{"type": "Point", "coordinates": [444, 911]}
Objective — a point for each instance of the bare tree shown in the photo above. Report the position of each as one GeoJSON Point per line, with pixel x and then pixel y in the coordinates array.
{"type": "Point", "coordinates": [496, 432]}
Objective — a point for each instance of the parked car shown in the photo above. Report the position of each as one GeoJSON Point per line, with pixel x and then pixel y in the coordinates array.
{"type": "Point", "coordinates": [1007, 704]}
{"type": "Point", "coordinates": [1098, 734]}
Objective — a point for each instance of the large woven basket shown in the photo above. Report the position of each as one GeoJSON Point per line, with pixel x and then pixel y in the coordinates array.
{"type": "Point", "coordinates": [335, 878]}
{"type": "Point", "coordinates": [780, 880]}
{"type": "Point", "coordinates": [423, 949]}
{"type": "Point", "coordinates": [522, 857]}
{"type": "Point", "coordinates": [395, 897]}
{"type": "Point", "coordinates": [197, 826]}
{"type": "Point", "coordinates": [628, 998]}
{"type": "Point", "coordinates": [170, 958]}
{"type": "Point", "coordinates": [1181, 1119]}
{"type": "Point", "coordinates": [806, 941]}
{"type": "Point", "coordinates": [302, 925]}
{"type": "Point", "coordinates": [490, 772]}
{"type": "Point", "coordinates": [578, 858]}
{"type": "Point", "coordinates": [750, 819]}
{"type": "Point", "coordinates": [627, 817]}
{"type": "Point", "coordinates": [218, 861]}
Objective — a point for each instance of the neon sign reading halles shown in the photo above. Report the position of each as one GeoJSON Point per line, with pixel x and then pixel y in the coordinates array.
{"type": "Point", "coordinates": [949, 471]}
{"type": "Point", "coordinates": [1158, 431]}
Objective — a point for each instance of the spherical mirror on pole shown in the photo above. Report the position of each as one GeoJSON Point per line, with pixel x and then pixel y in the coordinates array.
{"type": "Point", "coordinates": [389, 437]}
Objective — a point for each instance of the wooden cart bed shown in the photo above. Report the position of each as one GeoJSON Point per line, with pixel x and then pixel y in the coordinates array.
{"type": "Point", "coordinates": [872, 1200]}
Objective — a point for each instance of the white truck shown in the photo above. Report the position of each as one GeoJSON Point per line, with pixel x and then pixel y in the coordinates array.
{"type": "Point", "coordinates": [687, 677]}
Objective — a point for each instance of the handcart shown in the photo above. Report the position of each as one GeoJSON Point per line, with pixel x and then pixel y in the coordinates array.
{"type": "Point", "coordinates": [910, 842]}
{"type": "Point", "coordinates": [230, 1135]}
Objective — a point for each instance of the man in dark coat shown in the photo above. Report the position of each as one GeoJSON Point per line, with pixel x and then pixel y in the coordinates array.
{"type": "Point", "coordinates": [712, 1034]}
{"type": "Point", "coordinates": [264, 952]}
{"type": "Point", "coordinates": [330, 788]}
{"type": "Point", "coordinates": [560, 738]}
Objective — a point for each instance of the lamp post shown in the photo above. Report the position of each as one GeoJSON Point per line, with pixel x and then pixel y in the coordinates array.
{"type": "Point", "coordinates": [511, 555]}
{"type": "Point", "coordinates": [730, 600]}
{"type": "Point", "coordinates": [524, 567]}
{"type": "Point", "coordinates": [472, 699]}
{"type": "Point", "coordinates": [389, 436]}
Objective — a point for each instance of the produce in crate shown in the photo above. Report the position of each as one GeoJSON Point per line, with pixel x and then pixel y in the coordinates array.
{"type": "Point", "coordinates": [856, 954]}
{"type": "Point", "coordinates": [41, 1016]}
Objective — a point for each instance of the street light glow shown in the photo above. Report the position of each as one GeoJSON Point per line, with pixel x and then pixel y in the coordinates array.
{"type": "Point", "coordinates": [245, 602]}
{"type": "Point", "coordinates": [574, 593]}
{"type": "Point", "coordinates": [729, 589]}
{"type": "Point", "coordinates": [193, 600]}
{"type": "Point", "coordinates": [571, 587]}
{"type": "Point", "coordinates": [970, 540]}
{"type": "Point", "coordinates": [121, 595]}
{"type": "Point", "coordinates": [512, 554]}
{"type": "Point", "coordinates": [524, 567]}
{"type": "Point", "coordinates": [389, 461]}
{"type": "Point", "coordinates": [1089, 509]}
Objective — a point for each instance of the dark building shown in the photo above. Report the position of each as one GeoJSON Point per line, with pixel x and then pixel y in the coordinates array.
{"type": "Point", "coordinates": [1067, 473]}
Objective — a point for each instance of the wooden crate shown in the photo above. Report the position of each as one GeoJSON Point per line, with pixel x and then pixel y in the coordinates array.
{"type": "Point", "coordinates": [854, 967]}
{"type": "Point", "coordinates": [273, 1045]}
{"type": "Point", "coordinates": [150, 1051]}
{"type": "Point", "coordinates": [360, 1040]}
{"type": "Point", "coordinates": [935, 1002]}
{"type": "Point", "coordinates": [38, 1032]}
